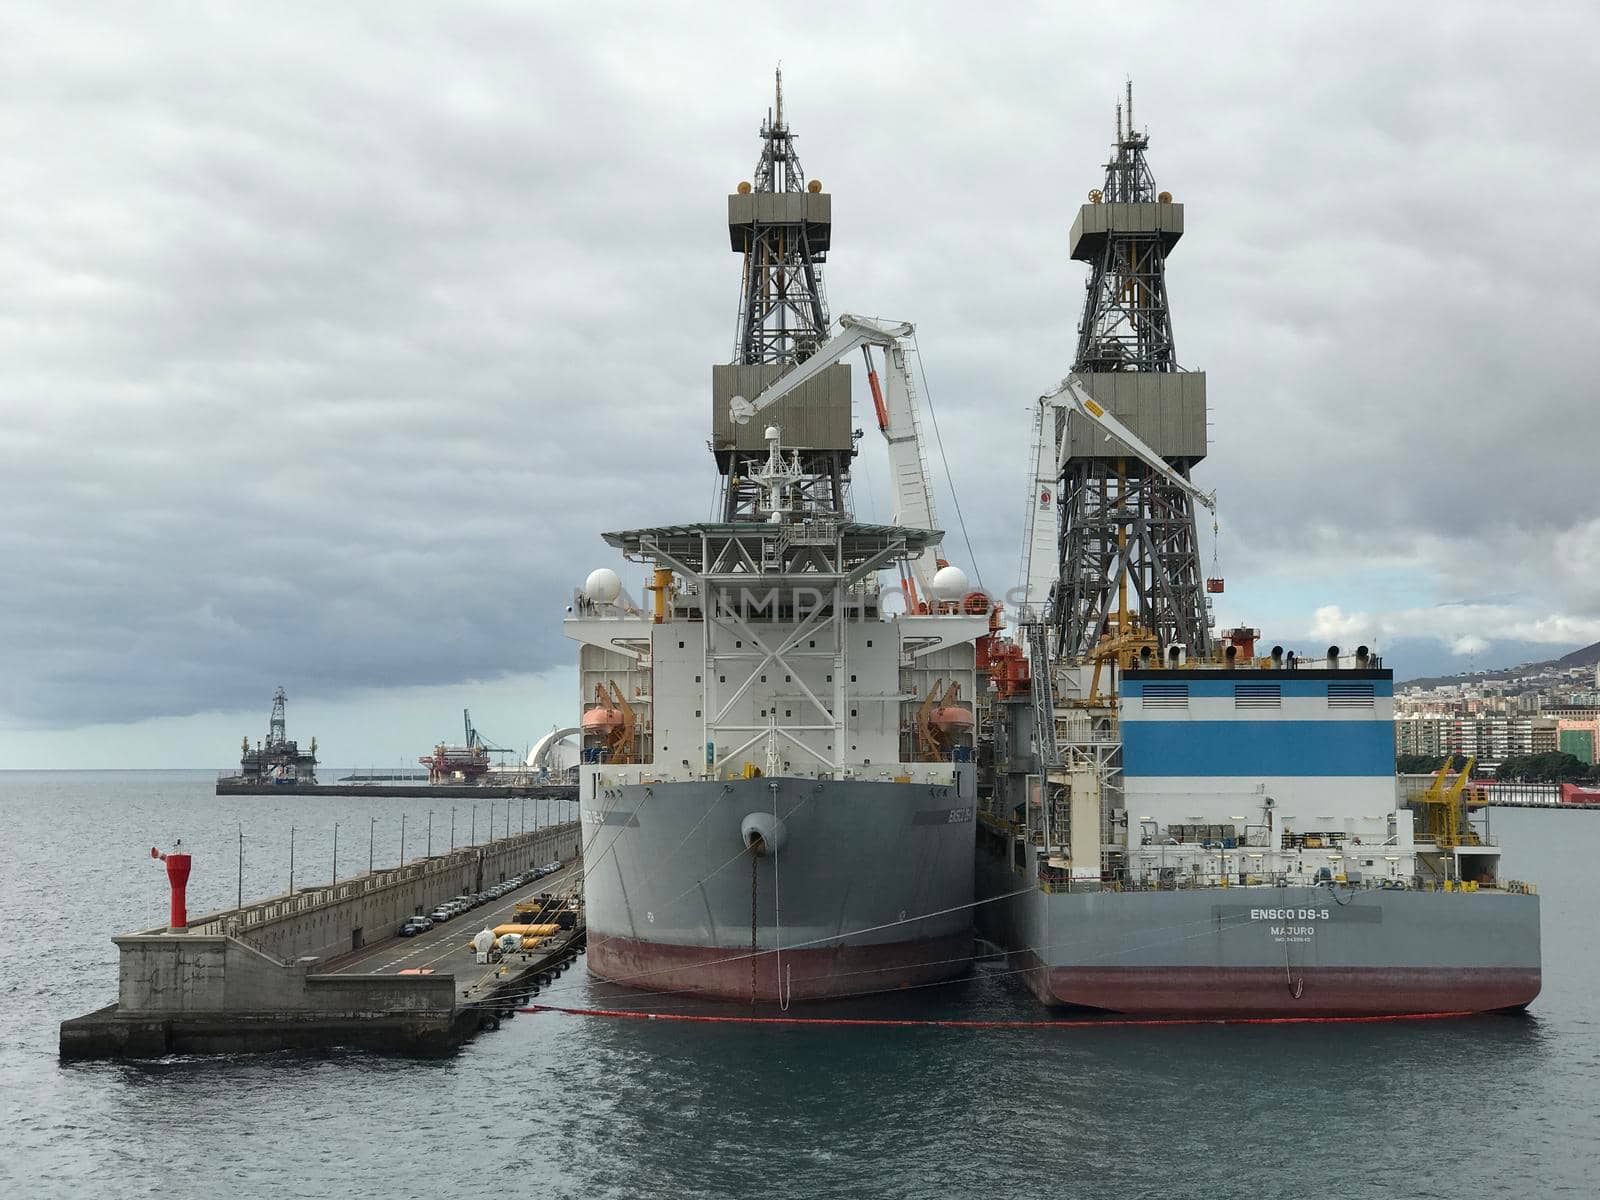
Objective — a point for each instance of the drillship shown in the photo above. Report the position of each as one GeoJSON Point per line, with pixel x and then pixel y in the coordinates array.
{"type": "Point", "coordinates": [777, 785]}
{"type": "Point", "coordinates": [1172, 822]}
{"type": "Point", "coordinates": [1248, 855]}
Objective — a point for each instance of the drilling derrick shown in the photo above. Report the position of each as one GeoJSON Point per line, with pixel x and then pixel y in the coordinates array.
{"type": "Point", "coordinates": [277, 725]}
{"type": "Point", "coordinates": [781, 225]}
{"type": "Point", "coordinates": [1129, 563]}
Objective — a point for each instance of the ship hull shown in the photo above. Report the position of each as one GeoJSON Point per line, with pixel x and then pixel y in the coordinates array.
{"type": "Point", "coordinates": [772, 976]}
{"type": "Point", "coordinates": [1272, 992]}
{"type": "Point", "coordinates": [1265, 951]}
{"type": "Point", "coordinates": [869, 890]}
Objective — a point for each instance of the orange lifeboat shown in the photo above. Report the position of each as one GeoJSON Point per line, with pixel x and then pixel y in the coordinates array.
{"type": "Point", "coordinates": [601, 721]}
{"type": "Point", "coordinates": [951, 719]}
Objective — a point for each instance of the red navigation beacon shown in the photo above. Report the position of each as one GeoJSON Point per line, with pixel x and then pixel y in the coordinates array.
{"type": "Point", "coordinates": [178, 876]}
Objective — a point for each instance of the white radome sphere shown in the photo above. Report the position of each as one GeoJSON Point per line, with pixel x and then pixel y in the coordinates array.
{"type": "Point", "coordinates": [950, 583]}
{"type": "Point", "coordinates": [603, 585]}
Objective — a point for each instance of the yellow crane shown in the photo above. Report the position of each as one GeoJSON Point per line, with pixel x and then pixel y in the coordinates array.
{"type": "Point", "coordinates": [1442, 811]}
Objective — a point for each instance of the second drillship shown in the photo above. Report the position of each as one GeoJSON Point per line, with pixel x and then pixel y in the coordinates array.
{"type": "Point", "coordinates": [777, 789]}
{"type": "Point", "coordinates": [1172, 823]}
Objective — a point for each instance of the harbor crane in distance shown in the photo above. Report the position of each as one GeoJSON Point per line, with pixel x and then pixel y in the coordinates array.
{"type": "Point", "coordinates": [1043, 528]}
{"type": "Point", "coordinates": [893, 402]}
{"type": "Point", "coordinates": [476, 739]}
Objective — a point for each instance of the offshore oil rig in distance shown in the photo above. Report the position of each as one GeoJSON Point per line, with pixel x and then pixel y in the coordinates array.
{"type": "Point", "coordinates": [276, 766]}
{"type": "Point", "coordinates": [277, 762]}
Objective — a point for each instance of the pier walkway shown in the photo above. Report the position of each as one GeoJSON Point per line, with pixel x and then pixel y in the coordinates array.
{"type": "Point", "coordinates": [447, 949]}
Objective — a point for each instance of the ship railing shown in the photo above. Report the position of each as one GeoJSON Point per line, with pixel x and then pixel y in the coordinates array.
{"type": "Point", "coordinates": [302, 900]}
{"type": "Point", "coordinates": [1054, 881]}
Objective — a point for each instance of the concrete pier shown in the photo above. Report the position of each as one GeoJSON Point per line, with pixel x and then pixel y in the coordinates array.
{"type": "Point", "coordinates": [302, 971]}
{"type": "Point", "coordinates": [232, 785]}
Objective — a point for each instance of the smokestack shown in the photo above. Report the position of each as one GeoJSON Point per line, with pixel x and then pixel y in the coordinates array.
{"type": "Point", "coordinates": [1361, 656]}
{"type": "Point", "coordinates": [1333, 657]}
{"type": "Point", "coordinates": [1277, 656]}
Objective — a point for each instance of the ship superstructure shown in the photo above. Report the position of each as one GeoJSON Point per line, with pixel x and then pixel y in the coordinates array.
{"type": "Point", "coordinates": [1172, 822]}
{"type": "Point", "coordinates": [777, 785]}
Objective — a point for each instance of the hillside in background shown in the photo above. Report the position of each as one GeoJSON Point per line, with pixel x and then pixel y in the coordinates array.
{"type": "Point", "coordinates": [1586, 656]}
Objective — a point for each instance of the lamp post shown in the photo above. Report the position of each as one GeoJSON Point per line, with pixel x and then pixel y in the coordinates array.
{"type": "Point", "coordinates": [524, 828]}
{"type": "Point", "coordinates": [430, 833]}
{"type": "Point", "coordinates": [336, 852]}
{"type": "Point", "coordinates": [452, 827]}
{"type": "Point", "coordinates": [291, 860]}
{"type": "Point", "coordinates": [402, 839]}
{"type": "Point", "coordinates": [241, 867]}
{"type": "Point", "coordinates": [372, 833]}
{"type": "Point", "coordinates": [474, 824]}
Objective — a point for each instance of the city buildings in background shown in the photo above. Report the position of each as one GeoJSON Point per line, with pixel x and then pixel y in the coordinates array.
{"type": "Point", "coordinates": [1541, 708]}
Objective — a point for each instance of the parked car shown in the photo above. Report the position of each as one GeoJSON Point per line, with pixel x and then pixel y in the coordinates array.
{"type": "Point", "coordinates": [440, 915]}
{"type": "Point", "coordinates": [414, 926]}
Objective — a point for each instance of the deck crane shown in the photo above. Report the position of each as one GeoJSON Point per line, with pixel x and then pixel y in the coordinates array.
{"type": "Point", "coordinates": [893, 403]}
{"type": "Point", "coordinates": [1050, 458]}
{"type": "Point", "coordinates": [1128, 641]}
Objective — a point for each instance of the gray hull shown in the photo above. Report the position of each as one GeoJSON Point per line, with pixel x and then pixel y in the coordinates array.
{"type": "Point", "coordinates": [870, 886]}
{"type": "Point", "coordinates": [1263, 951]}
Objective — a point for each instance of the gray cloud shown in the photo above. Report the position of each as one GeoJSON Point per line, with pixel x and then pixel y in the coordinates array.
{"type": "Point", "coordinates": [332, 338]}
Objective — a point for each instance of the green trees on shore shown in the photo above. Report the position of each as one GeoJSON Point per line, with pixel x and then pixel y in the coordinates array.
{"type": "Point", "coordinates": [1556, 767]}
{"type": "Point", "coordinates": [1419, 764]}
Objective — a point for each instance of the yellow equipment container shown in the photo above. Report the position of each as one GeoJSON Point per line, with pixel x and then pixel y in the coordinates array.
{"type": "Point", "coordinates": [526, 930]}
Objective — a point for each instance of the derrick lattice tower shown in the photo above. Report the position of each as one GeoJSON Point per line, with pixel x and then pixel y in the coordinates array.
{"type": "Point", "coordinates": [783, 315]}
{"type": "Point", "coordinates": [277, 727]}
{"type": "Point", "coordinates": [780, 224]}
{"type": "Point", "coordinates": [1129, 561]}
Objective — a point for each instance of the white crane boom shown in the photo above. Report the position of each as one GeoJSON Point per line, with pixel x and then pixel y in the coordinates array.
{"type": "Point", "coordinates": [897, 419]}
{"type": "Point", "coordinates": [853, 332]}
{"type": "Point", "coordinates": [1072, 387]}
{"type": "Point", "coordinates": [1040, 548]}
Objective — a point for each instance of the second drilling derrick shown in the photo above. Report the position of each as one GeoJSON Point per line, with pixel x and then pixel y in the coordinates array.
{"type": "Point", "coordinates": [1129, 562]}
{"type": "Point", "coordinates": [781, 225]}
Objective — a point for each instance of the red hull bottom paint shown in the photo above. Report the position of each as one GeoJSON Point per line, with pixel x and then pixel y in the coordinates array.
{"type": "Point", "coordinates": [1271, 991]}
{"type": "Point", "coordinates": [723, 973]}
{"type": "Point", "coordinates": [631, 1014]}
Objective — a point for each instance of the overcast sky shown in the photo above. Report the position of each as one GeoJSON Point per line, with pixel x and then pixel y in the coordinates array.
{"type": "Point", "coordinates": [331, 336]}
